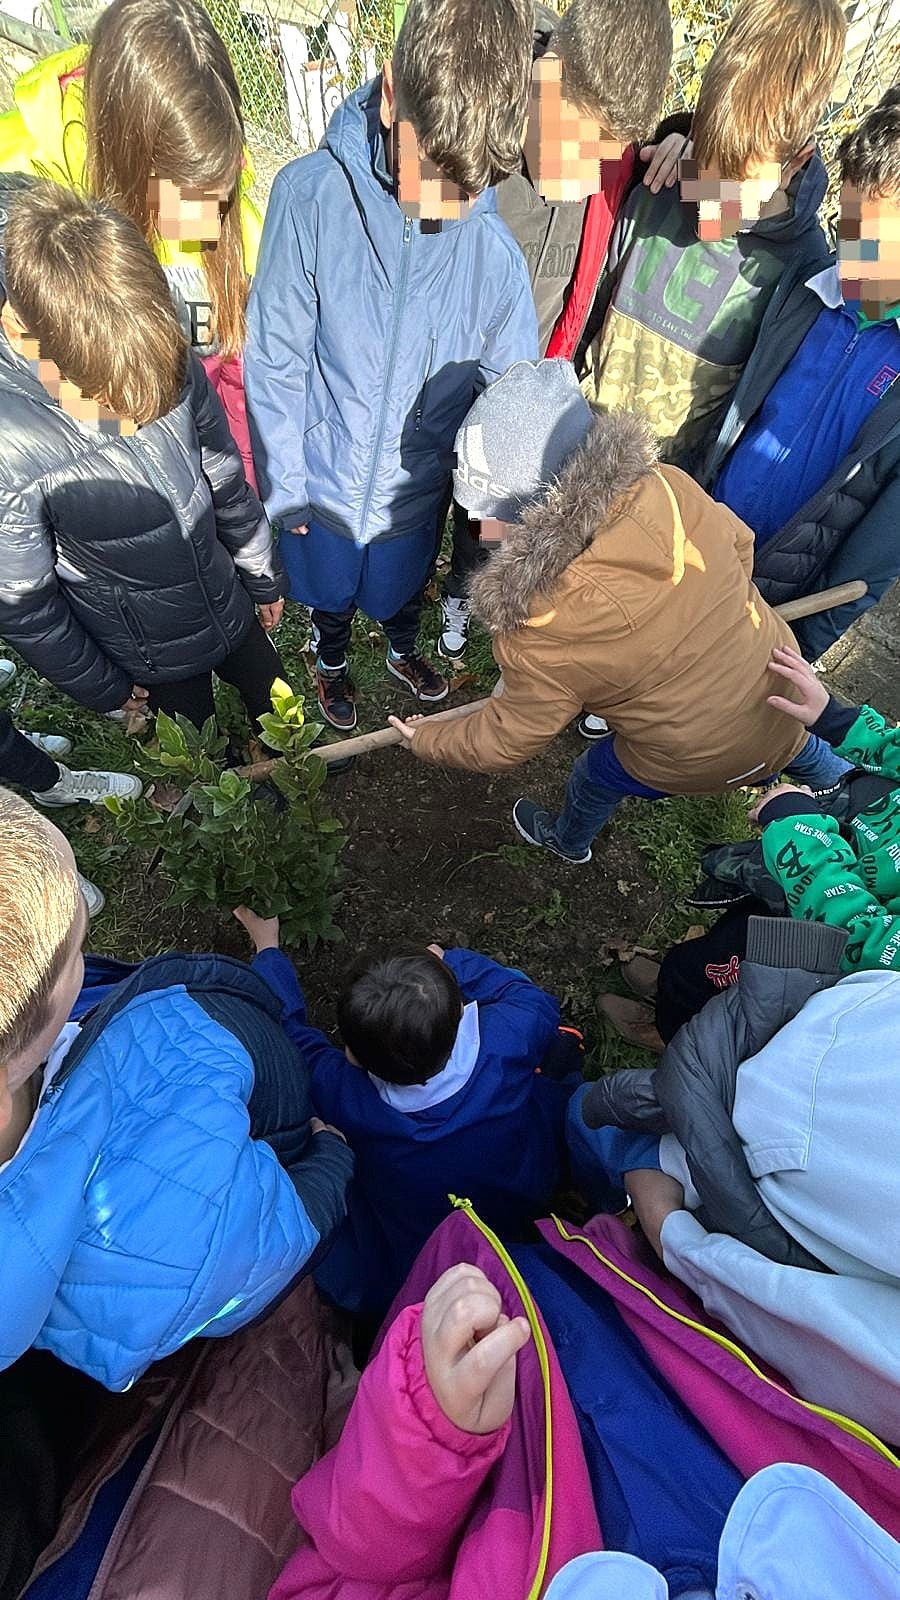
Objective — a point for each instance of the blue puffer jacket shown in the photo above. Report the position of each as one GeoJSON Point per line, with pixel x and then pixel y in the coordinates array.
{"type": "Point", "coordinates": [368, 340]}
{"type": "Point", "coordinates": [139, 1212]}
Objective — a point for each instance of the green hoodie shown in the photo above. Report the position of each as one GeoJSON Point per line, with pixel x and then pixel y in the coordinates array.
{"type": "Point", "coordinates": [851, 883]}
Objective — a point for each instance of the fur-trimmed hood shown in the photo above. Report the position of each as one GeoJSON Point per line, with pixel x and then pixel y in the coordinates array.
{"type": "Point", "coordinates": [556, 530]}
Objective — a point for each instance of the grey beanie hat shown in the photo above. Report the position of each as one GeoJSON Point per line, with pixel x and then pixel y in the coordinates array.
{"type": "Point", "coordinates": [518, 435]}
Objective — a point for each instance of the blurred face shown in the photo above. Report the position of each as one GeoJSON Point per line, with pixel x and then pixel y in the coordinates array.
{"type": "Point", "coordinates": [423, 192]}
{"type": "Point", "coordinates": [494, 532]}
{"type": "Point", "coordinates": [564, 148]}
{"type": "Point", "coordinates": [181, 213]}
{"type": "Point", "coordinates": [727, 205]}
{"type": "Point", "coordinates": [68, 396]}
{"type": "Point", "coordinates": [869, 251]}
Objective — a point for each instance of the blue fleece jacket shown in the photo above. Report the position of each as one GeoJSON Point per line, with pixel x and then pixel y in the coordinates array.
{"type": "Point", "coordinates": [498, 1140]}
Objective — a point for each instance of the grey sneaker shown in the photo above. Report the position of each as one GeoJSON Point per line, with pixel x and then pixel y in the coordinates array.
{"type": "Point", "coordinates": [94, 898]}
{"type": "Point", "coordinates": [8, 671]}
{"type": "Point", "coordinates": [454, 634]}
{"type": "Point", "coordinates": [536, 825]}
{"type": "Point", "coordinates": [90, 788]}
{"type": "Point", "coordinates": [54, 745]}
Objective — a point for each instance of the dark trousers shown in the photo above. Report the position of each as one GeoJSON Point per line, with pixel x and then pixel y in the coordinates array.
{"type": "Point", "coordinates": [466, 557]}
{"type": "Point", "coordinates": [21, 762]}
{"type": "Point", "coordinates": [691, 973]}
{"type": "Point", "coordinates": [252, 669]}
{"type": "Point", "coordinates": [402, 630]}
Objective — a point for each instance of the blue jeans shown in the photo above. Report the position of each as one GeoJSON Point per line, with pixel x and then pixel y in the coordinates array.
{"type": "Point", "coordinates": [598, 782]}
{"type": "Point", "coordinates": [600, 1157]}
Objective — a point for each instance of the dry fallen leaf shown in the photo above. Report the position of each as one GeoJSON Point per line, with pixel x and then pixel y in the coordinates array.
{"type": "Point", "coordinates": [92, 823]}
{"type": "Point", "coordinates": [695, 931]}
{"type": "Point", "coordinates": [163, 796]}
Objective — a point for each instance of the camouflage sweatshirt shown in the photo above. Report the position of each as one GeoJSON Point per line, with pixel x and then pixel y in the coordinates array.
{"type": "Point", "coordinates": [850, 877]}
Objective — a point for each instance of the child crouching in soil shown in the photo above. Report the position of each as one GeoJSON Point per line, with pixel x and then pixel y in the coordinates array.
{"type": "Point", "coordinates": [454, 1078]}
{"type": "Point", "coordinates": [134, 557]}
{"type": "Point", "coordinates": [622, 588]}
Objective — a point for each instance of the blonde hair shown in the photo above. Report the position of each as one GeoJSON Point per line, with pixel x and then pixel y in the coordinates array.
{"type": "Point", "coordinates": [90, 290]}
{"type": "Point", "coordinates": [160, 96]}
{"type": "Point", "coordinates": [767, 83]}
{"type": "Point", "coordinates": [39, 900]}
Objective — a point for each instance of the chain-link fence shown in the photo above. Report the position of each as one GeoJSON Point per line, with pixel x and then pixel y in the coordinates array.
{"type": "Point", "coordinates": [295, 59]}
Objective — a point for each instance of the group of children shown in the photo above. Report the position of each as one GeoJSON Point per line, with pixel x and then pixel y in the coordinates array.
{"type": "Point", "coordinates": [494, 229]}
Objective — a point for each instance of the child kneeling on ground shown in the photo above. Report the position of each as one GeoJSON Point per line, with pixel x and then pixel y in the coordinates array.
{"type": "Point", "coordinates": [621, 588]}
{"type": "Point", "coordinates": [454, 1079]}
{"type": "Point", "coordinates": [160, 1174]}
{"type": "Point", "coordinates": [133, 554]}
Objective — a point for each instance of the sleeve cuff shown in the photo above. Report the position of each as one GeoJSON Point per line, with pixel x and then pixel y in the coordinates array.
{"type": "Point", "coordinates": [836, 721]}
{"type": "Point", "coordinates": [790, 805]}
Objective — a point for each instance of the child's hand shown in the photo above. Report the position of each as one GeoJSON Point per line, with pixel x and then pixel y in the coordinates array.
{"type": "Point", "coordinates": [137, 701]}
{"type": "Point", "coordinates": [406, 725]}
{"type": "Point", "coordinates": [813, 695]}
{"type": "Point", "coordinates": [264, 931]}
{"type": "Point", "coordinates": [755, 812]}
{"type": "Point", "coordinates": [302, 529]}
{"type": "Point", "coordinates": [437, 950]}
{"type": "Point", "coordinates": [318, 1126]}
{"type": "Point", "coordinates": [470, 1350]}
{"type": "Point", "coordinates": [664, 158]}
{"type": "Point", "coordinates": [270, 615]}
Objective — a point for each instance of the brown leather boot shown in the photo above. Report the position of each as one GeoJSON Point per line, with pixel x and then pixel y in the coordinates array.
{"type": "Point", "coordinates": [632, 1020]}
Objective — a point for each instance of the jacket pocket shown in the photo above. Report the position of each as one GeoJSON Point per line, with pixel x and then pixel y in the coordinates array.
{"type": "Point", "coordinates": [134, 630]}
{"type": "Point", "coordinates": [423, 386]}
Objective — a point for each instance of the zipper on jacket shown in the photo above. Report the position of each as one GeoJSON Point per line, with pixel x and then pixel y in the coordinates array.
{"type": "Point", "coordinates": [389, 373]}
{"type": "Point", "coordinates": [131, 624]}
{"type": "Point", "coordinates": [540, 1345]}
{"type": "Point", "coordinates": [424, 384]}
{"type": "Point", "coordinates": [846, 1424]}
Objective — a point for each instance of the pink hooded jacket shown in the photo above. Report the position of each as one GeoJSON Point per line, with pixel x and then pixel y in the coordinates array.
{"type": "Point", "coordinates": [408, 1507]}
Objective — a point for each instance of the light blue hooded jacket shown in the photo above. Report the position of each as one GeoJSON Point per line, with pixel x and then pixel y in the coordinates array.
{"type": "Point", "coordinates": [139, 1212]}
{"type": "Point", "coordinates": [369, 339]}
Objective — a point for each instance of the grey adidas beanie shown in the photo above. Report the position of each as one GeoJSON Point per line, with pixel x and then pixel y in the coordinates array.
{"type": "Point", "coordinates": [517, 437]}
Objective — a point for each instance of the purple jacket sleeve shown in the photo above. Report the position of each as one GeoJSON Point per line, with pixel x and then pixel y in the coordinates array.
{"type": "Point", "coordinates": [388, 1504]}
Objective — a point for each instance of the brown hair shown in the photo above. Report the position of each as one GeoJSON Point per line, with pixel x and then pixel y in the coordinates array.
{"type": "Point", "coordinates": [616, 59]}
{"type": "Point", "coordinates": [161, 96]}
{"type": "Point", "coordinates": [461, 73]}
{"type": "Point", "coordinates": [870, 155]}
{"type": "Point", "coordinates": [90, 290]}
{"type": "Point", "coordinates": [767, 83]}
{"type": "Point", "coordinates": [39, 900]}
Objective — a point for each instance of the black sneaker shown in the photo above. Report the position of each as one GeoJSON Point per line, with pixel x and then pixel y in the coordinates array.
{"type": "Point", "coordinates": [419, 676]}
{"type": "Point", "coordinates": [536, 825]}
{"type": "Point", "coordinates": [337, 697]}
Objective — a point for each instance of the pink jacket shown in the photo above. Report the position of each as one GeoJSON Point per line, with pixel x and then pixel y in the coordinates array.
{"type": "Point", "coordinates": [408, 1507]}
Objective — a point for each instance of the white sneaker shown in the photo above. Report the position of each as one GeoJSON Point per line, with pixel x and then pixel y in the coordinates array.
{"type": "Point", "coordinates": [90, 788]}
{"type": "Point", "coordinates": [455, 613]}
{"type": "Point", "coordinates": [591, 727]}
{"type": "Point", "coordinates": [54, 745]}
{"type": "Point", "coordinates": [8, 671]}
{"type": "Point", "coordinates": [94, 898]}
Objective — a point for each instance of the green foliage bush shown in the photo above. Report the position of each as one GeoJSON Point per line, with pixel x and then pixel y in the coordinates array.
{"type": "Point", "coordinates": [229, 841]}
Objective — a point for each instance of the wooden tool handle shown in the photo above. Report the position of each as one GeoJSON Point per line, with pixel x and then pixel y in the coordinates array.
{"type": "Point", "coordinates": [361, 745]}
{"type": "Point", "coordinates": [811, 604]}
